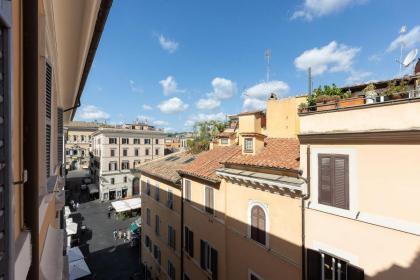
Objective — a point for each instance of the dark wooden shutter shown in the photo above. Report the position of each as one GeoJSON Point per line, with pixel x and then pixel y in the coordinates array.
{"type": "Point", "coordinates": [313, 264]}
{"type": "Point", "coordinates": [60, 136]}
{"type": "Point", "coordinates": [202, 254]}
{"type": "Point", "coordinates": [48, 101]}
{"type": "Point", "coordinates": [355, 273]}
{"type": "Point", "coordinates": [191, 243]}
{"type": "Point", "coordinates": [214, 264]}
{"type": "Point", "coordinates": [258, 224]}
{"type": "Point", "coordinates": [341, 181]}
{"type": "Point", "coordinates": [325, 179]}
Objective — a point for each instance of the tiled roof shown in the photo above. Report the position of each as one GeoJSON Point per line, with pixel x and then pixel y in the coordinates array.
{"type": "Point", "coordinates": [277, 153]}
{"type": "Point", "coordinates": [225, 134]}
{"type": "Point", "coordinates": [166, 167]}
{"type": "Point", "coordinates": [207, 162]}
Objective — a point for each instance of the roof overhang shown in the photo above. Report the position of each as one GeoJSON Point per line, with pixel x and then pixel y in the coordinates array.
{"type": "Point", "coordinates": [276, 182]}
{"type": "Point", "coordinates": [77, 26]}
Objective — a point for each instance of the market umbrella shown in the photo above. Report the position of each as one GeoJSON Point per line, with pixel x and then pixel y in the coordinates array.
{"type": "Point", "coordinates": [71, 228]}
{"type": "Point", "coordinates": [78, 269]}
{"type": "Point", "coordinates": [74, 254]}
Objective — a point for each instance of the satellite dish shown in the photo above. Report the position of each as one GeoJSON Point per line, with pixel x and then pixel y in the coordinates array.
{"type": "Point", "coordinates": [411, 56]}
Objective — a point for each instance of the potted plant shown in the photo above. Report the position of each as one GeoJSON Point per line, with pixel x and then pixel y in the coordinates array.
{"type": "Point", "coordinates": [303, 107]}
{"type": "Point", "coordinates": [395, 91]}
{"type": "Point", "coordinates": [370, 93]}
{"type": "Point", "coordinates": [349, 101]}
{"type": "Point", "coordinates": [382, 97]}
{"type": "Point", "coordinates": [326, 102]}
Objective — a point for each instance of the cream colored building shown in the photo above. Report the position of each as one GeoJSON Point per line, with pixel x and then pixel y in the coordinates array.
{"type": "Point", "coordinates": [115, 151]}
{"type": "Point", "coordinates": [362, 216]}
{"type": "Point", "coordinates": [45, 63]}
{"type": "Point", "coordinates": [78, 137]}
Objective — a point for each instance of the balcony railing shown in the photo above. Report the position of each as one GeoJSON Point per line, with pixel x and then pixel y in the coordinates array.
{"type": "Point", "coordinates": [361, 102]}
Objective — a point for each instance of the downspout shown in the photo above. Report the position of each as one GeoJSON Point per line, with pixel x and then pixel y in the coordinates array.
{"type": "Point", "coordinates": [305, 197]}
{"type": "Point", "coordinates": [182, 228]}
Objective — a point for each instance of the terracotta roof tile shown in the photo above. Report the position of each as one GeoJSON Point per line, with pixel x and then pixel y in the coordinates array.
{"type": "Point", "coordinates": [277, 153]}
{"type": "Point", "coordinates": [206, 163]}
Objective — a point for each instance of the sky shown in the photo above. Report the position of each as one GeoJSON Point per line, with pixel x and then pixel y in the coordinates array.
{"type": "Point", "coordinates": [173, 63]}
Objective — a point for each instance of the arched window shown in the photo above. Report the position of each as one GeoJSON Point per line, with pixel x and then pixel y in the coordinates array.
{"type": "Point", "coordinates": [258, 224]}
{"type": "Point", "coordinates": [136, 186]}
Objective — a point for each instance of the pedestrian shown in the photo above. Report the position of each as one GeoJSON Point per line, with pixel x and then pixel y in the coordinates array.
{"type": "Point", "coordinates": [119, 234]}
{"type": "Point", "coordinates": [109, 214]}
{"type": "Point", "coordinates": [77, 205]}
{"type": "Point", "coordinates": [115, 234]}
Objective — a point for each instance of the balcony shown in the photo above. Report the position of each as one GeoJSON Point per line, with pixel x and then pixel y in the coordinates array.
{"type": "Point", "coordinates": [359, 114]}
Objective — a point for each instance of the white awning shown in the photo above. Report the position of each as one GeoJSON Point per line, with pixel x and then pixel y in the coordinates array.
{"type": "Point", "coordinates": [67, 211]}
{"type": "Point", "coordinates": [78, 269]}
{"type": "Point", "coordinates": [71, 228]}
{"type": "Point", "coordinates": [74, 254]}
{"type": "Point", "coordinates": [126, 205]}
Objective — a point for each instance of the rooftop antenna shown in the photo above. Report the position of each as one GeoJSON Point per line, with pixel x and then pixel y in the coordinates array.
{"type": "Point", "coordinates": [403, 30]}
{"type": "Point", "coordinates": [309, 81]}
{"type": "Point", "coordinates": [267, 55]}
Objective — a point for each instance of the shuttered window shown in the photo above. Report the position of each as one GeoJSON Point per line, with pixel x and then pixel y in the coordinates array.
{"type": "Point", "coordinates": [189, 241]}
{"type": "Point", "coordinates": [258, 225]}
{"type": "Point", "coordinates": [48, 100]}
{"type": "Point", "coordinates": [170, 200]}
{"type": "Point", "coordinates": [187, 190]}
{"type": "Point", "coordinates": [333, 180]}
{"type": "Point", "coordinates": [208, 259]}
{"type": "Point", "coordinates": [209, 200]}
{"type": "Point", "coordinates": [60, 135]}
{"type": "Point", "coordinates": [157, 225]}
{"type": "Point", "coordinates": [171, 237]}
{"type": "Point", "coordinates": [324, 266]}
{"type": "Point", "coordinates": [171, 271]}
{"type": "Point", "coordinates": [148, 216]}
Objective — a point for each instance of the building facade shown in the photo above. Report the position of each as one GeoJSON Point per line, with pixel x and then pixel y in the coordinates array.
{"type": "Point", "coordinates": [51, 60]}
{"type": "Point", "coordinates": [361, 217]}
{"type": "Point", "coordinates": [78, 137]}
{"type": "Point", "coordinates": [115, 151]}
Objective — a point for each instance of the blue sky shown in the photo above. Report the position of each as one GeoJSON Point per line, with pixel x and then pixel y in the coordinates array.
{"type": "Point", "coordinates": [177, 62]}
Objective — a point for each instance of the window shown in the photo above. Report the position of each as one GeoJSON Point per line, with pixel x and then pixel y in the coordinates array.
{"type": "Point", "coordinates": [112, 165]}
{"type": "Point", "coordinates": [324, 266]}
{"type": "Point", "coordinates": [83, 138]}
{"type": "Point", "coordinates": [171, 270]}
{"type": "Point", "coordinates": [125, 165]}
{"type": "Point", "coordinates": [148, 243]}
{"type": "Point", "coordinates": [146, 152]}
{"type": "Point", "coordinates": [333, 180]}
{"type": "Point", "coordinates": [170, 200]}
{"type": "Point", "coordinates": [124, 141]}
{"type": "Point", "coordinates": [157, 225]}
{"type": "Point", "coordinates": [112, 181]}
{"type": "Point", "coordinates": [147, 141]}
{"type": "Point", "coordinates": [156, 141]}
{"type": "Point", "coordinates": [156, 152]}
{"type": "Point", "coordinates": [125, 152]}
{"type": "Point", "coordinates": [187, 190]}
{"type": "Point", "coordinates": [189, 241]}
{"type": "Point", "coordinates": [209, 200]}
{"type": "Point", "coordinates": [157, 253]}
{"type": "Point", "coordinates": [157, 192]}
{"type": "Point", "coordinates": [258, 225]}
{"type": "Point", "coordinates": [253, 276]}
{"type": "Point", "coordinates": [171, 237]}
{"type": "Point", "coordinates": [208, 258]}
{"type": "Point", "coordinates": [148, 216]}
{"type": "Point", "coordinates": [248, 145]}
{"type": "Point", "coordinates": [224, 141]}
{"type": "Point", "coordinates": [112, 152]}
{"type": "Point", "coordinates": [112, 140]}
{"type": "Point", "coordinates": [136, 141]}
{"type": "Point", "coordinates": [148, 187]}
{"type": "Point", "coordinates": [125, 179]}
{"type": "Point", "coordinates": [186, 277]}
{"type": "Point", "coordinates": [74, 138]}
{"type": "Point", "coordinates": [136, 152]}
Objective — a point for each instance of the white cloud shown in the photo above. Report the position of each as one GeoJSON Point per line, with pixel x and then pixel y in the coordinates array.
{"type": "Point", "coordinates": [167, 44]}
{"type": "Point", "coordinates": [207, 104]}
{"type": "Point", "coordinates": [168, 129]}
{"type": "Point", "coordinates": [172, 106]}
{"type": "Point", "coordinates": [255, 97]}
{"type": "Point", "coordinates": [169, 86]}
{"type": "Point", "coordinates": [333, 57]}
{"type": "Point", "coordinates": [222, 88]}
{"type": "Point", "coordinates": [318, 8]}
{"type": "Point", "coordinates": [375, 57]}
{"type": "Point", "coordinates": [147, 107]}
{"type": "Point", "coordinates": [134, 87]}
{"type": "Point", "coordinates": [90, 112]}
{"type": "Point", "coordinates": [358, 77]}
{"type": "Point", "coordinates": [160, 123]}
{"type": "Point", "coordinates": [205, 117]}
{"type": "Point", "coordinates": [409, 39]}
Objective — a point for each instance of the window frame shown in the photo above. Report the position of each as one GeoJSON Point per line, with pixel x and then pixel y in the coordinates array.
{"type": "Point", "coordinates": [246, 149]}
{"type": "Point", "coordinates": [187, 190]}
{"type": "Point", "coordinates": [112, 141]}
{"type": "Point", "coordinates": [265, 208]}
{"type": "Point", "coordinates": [207, 209]}
{"type": "Point", "coordinates": [224, 141]}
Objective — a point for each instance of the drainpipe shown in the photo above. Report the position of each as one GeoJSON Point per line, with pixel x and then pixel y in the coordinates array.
{"type": "Point", "coordinates": [182, 228]}
{"type": "Point", "coordinates": [306, 197]}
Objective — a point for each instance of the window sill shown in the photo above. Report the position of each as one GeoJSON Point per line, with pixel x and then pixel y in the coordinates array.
{"type": "Point", "coordinates": [351, 214]}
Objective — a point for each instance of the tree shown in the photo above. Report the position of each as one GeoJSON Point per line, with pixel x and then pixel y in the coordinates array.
{"type": "Point", "coordinates": [204, 133]}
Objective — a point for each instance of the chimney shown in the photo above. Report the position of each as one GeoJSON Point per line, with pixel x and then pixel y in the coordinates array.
{"type": "Point", "coordinates": [417, 68]}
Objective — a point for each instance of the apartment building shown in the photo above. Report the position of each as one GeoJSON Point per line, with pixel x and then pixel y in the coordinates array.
{"type": "Point", "coordinates": [51, 60]}
{"type": "Point", "coordinates": [243, 202]}
{"type": "Point", "coordinates": [78, 137]}
{"type": "Point", "coordinates": [161, 246]}
{"type": "Point", "coordinates": [362, 164]}
{"type": "Point", "coordinates": [117, 150]}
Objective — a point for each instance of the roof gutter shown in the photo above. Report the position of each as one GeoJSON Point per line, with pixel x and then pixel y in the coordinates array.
{"type": "Point", "coordinates": [97, 33]}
